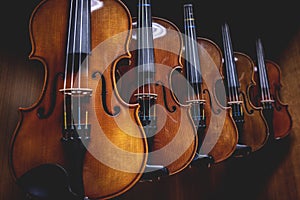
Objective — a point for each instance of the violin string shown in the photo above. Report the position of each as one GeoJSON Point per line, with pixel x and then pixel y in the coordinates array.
{"type": "Point", "coordinates": [152, 57]}
{"type": "Point", "coordinates": [195, 55]}
{"type": "Point", "coordinates": [227, 63]}
{"type": "Point", "coordinates": [195, 59]}
{"type": "Point", "coordinates": [66, 65]}
{"type": "Point", "coordinates": [265, 78]}
{"type": "Point", "coordinates": [80, 44]}
{"type": "Point", "coordinates": [153, 70]}
{"type": "Point", "coordinates": [143, 56]}
{"type": "Point", "coordinates": [233, 66]}
{"type": "Point", "coordinates": [149, 36]}
{"type": "Point", "coordinates": [80, 63]}
{"type": "Point", "coordinates": [192, 56]}
{"type": "Point", "coordinates": [138, 31]}
{"type": "Point", "coordinates": [186, 54]}
{"type": "Point", "coordinates": [268, 96]}
{"type": "Point", "coordinates": [260, 72]}
{"type": "Point", "coordinates": [73, 62]}
{"type": "Point", "coordinates": [233, 73]}
{"type": "Point", "coordinates": [263, 75]}
{"type": "Point", "coordinates": [88, 14]}
{"type": "Point", "coordinates": [74, 43]}
{"type": "Point", "coordinates": [190, 50]}
{"type": "Point", "coordinates": [197, 66]}
{"type": "Point", "coordinates": [140, 53]}
{"type": "Point", "coordinates": [86, 42]}
{"type": "Point", "coordinates": [267, 83]}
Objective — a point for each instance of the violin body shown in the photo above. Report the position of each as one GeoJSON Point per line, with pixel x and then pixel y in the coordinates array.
{"type": "Point", "coordinates": [219, 136]}
{"type": "Point", "coordinates": [221, 125]}
{"type": "Point", "coordinates": [280, 122]}
{"type": "Point", "coordinates": [216, 130]}
{"type": "Point", "coordinates": [40, 137]}
{"type": "Point", "coordinates": [174, 142]}
{"type": "Point", "coordinates": [252, 127]}
{"type": "Point", "coordinates": [255, 131]}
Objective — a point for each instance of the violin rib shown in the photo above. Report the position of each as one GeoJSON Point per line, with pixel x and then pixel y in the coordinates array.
{"type": "Point", "coordinates": [109, 157]}
{"type": "Point", "coordinates": [279, 120]}
{"type": "Point", "coordinates": [173, 141]}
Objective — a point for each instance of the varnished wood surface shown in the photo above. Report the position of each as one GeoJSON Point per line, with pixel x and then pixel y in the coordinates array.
{"type": "Point", "coordinates": [255, 130]}
{"type": "Point", "coordinates": [37, 140]}
{"type": "Point", "coordinates": [175, 139]}
{"type": "Point", "coordinates": [210, 56]}
{"type": "Point", "coordinates": [270, 174]}
{"type": "Point", "coordinates": [220, 136]}
{"type": "Point", "coordinates": [281, 113]}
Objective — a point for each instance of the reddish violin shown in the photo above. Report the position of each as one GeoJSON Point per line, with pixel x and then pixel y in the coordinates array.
{"type": "Point", "coordinates": [266, 94]}
{"type": "Point", "coordinates": [79, 124]}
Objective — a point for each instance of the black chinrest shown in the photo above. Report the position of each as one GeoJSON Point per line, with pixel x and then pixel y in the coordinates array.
{"type": "Point", "coordinates": [154, 172]}
{"type": "Point", "coordinates": [242, 150]}
{"type": "Point", "coordinates": [202, 160]}
{"type": "Point", "coordinates": [47, 182]}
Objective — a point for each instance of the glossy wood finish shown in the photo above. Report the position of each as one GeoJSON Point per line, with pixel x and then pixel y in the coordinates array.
{"type": "Point", "coordinates": [282, 120]}
{"type": "Point", "coordinates": [255, 130]}
{"type": "Point", "coordinates": [271, 174]}
{"type": "Point", "coordinates": [220, 135]}
{"type": "Point", "coordinates": [174, 144]}
{"type": "Point", "coordinates": [227, 132]}
{"type": "Point", "coordinates": [37, 140]}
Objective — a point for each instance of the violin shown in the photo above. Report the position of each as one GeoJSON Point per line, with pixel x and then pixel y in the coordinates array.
{"type": "Point", "coordinates": [266, 95]}
{"type": "Point", "coordinates": [217, 132]}
{"type": "Point", "coordinates": [252, 127]}
{"type": "Point", "coordinates": [145, 79]}
{"type": "Point", "coordinates": [79, 123]}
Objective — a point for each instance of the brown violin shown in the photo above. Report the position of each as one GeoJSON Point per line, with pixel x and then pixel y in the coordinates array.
{"type": "Point", "coordinates": [252, 127]}
{"type": "Point", "coordinates": [156, 47]}
{"type": "Point", "coordinates": [79, 125]}
{"type": "Point", "coordinates": [266, 95]}
{"type": "Point", "coordinates": [217, 132]}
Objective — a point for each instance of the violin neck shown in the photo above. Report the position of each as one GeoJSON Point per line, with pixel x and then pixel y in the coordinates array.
{"type": "Point", "coordinates": [192, 59]}
{"type": "Point", "coordinates": [231, 72]}
{"type": "Point", "coordinates": [76, 91]}
{"type": "Point", "coordinates": [262, 72]}
{"type": "Point", "coordinates": [145, 52]}
{"type": "Point", "coordinates": [79, 27]}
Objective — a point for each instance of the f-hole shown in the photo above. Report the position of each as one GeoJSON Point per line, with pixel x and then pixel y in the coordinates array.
{"type": "Point", "coordinates": [116, 109]}
{"type": "Point", "coordinates": [173, 108]}
{"type": "Point", "coordinates": [249, 111]}
{"type": "Point", "coordinates": [41, 110]}
{"type": "Point", "coordinates": [218, 111]}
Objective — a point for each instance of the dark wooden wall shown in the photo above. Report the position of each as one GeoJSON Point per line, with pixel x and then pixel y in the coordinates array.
{"type": "Point", "coordinates": [270, 174]}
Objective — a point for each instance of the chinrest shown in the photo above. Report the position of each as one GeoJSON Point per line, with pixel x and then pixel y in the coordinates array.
{"type": "Point", "coordinates": [202, 160]}
{"type": "Point", "coordinates": [47, 182]}
{"type": "Point", "coordinates": [154, 172]}
{"type": "Point", "coordinates": [242, 150]}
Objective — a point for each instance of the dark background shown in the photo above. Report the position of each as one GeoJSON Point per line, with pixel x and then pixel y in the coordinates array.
{"type": "Point", "coordinates": [274, 21]}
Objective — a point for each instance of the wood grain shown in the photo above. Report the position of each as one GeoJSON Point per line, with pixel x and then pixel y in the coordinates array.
{"type": "Point", "coordinates": [270, 174]}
